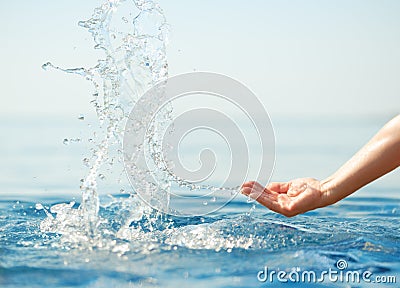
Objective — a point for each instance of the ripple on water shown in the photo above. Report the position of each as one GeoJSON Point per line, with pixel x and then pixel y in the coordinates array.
{"type": "Point", "coordinates": [217, 246]}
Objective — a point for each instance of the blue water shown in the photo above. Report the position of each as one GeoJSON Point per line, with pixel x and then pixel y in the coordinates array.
{"type": "Point", "coordinates": [224, 249]}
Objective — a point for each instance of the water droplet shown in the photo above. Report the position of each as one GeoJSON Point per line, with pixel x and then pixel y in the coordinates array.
{"type": "Point", "coordinates": [205, 203]}
{"type": "Point", "coordinates": [213, 199]}
{"type": "Point", "coordinates": [250, 200]}
{"type": "Point", "coordinates": [46, 65]}
{"type": "Point", "coordinates": [81, 117]}
{"type": "Point", "coordinates": [102, 177]}
{"type": "Point", "coordinates": [65, 141]}
{"type": "Point", "coordinates": [39, 206]}
{"type": "Point", "coordinates": [83, 24]}
{"type": "Point", "coordinates": [86, 162]}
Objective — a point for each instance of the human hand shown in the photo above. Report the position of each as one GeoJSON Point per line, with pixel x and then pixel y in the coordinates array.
{"type": "Point", "coordinates": [288, 198]}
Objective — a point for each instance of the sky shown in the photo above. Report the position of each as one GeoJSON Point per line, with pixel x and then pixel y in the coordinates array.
{"type": "Point", "coordinates": [299, 57]}
{"type": "Point", "coordinates": [302, 59]}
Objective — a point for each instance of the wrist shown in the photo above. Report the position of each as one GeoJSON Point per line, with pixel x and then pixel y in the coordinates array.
{"type": "Point", "coordinates": [329, 191]}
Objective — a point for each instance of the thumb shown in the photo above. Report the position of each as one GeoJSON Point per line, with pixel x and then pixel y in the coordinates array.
{"type": "Point", "coordinates": [296, 188]}
{"type": "Point", "coordinates": [280, 187]}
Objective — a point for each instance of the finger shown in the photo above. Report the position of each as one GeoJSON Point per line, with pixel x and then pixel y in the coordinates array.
{"type": "Point", "coordinates": [278, 202]}
{"type": "Point", "coordinates": [246, 190]}
{"type": "Point", "coordinates": [271, 202]}
{"type": "Point", "coordinates": [252, 189]}
{"type": "Point", "coordinates": [251, 184]}
{"type": "Point", "coordinates": [280, 187]}
{"type": "Point", "coordinates": [256, 191]}
{"type": "Point", "coordinates": [252, 192]}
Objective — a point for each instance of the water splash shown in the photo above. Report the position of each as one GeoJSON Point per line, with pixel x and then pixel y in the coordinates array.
{"type": "Point", "coordinates": [132, 37]}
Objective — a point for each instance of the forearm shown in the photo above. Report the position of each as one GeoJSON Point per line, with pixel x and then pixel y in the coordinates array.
{"type": "Point", "coordinates": [378, 157]}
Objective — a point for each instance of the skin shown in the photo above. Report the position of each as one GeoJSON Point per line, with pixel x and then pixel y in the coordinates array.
{"type": "Point", "coordinates": [377, 158]}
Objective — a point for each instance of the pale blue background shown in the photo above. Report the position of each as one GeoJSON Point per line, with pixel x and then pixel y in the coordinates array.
{"type": "Point", "coordinates": [327, 72]}
{"type": "Point", "coordinates": [297, 56]}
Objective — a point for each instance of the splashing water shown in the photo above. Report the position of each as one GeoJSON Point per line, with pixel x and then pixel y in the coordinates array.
{"type": "Point", "coordinates": [132, 36]}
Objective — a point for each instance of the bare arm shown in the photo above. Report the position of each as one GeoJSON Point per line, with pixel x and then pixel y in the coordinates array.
{"type": "Point", "coordinates": [378, 157]}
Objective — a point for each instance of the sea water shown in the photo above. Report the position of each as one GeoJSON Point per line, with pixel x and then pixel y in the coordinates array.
{"type": "Point", "coordinates": [118, 241]}
{"type": "Point", "coordinates": [224, 249]}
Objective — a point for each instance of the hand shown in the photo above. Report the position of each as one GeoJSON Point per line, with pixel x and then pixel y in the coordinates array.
{"type": "Point", "coordinates": [288, 198]}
